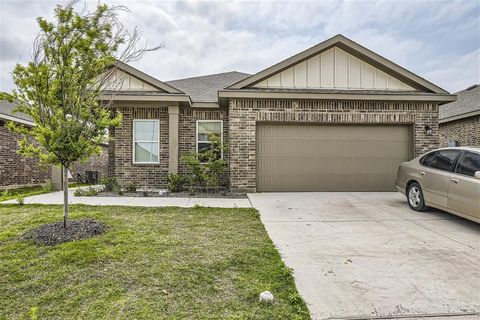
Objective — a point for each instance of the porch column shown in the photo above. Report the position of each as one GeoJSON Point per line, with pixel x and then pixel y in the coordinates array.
{"type": "Point", "coordinates": [173, 117]}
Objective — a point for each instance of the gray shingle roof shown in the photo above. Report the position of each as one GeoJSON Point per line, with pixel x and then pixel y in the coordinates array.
{"type": "Point", "coordinates": [468, 101]}
{"type": "Point", "coordinates": [6, 109]}
{"type": "Point", "coordinates": [205, 88]}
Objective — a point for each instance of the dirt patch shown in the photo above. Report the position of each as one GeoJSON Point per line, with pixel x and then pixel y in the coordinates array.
{"type": "Point", "coordinates": [54, 233]}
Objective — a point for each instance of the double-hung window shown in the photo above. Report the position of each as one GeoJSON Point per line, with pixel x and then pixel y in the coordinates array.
{"type": "Point", "coordinates": [206, 129]}
{"type": "Point", "coordinates": [146, 141]}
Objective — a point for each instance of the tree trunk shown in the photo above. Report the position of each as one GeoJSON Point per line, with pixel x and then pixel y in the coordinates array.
{"type": "Point", "coordinates": [65, 195]}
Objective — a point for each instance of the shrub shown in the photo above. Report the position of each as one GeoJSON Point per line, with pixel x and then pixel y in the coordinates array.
{"type": "Point", "coordinates": [205, 168]}
{"type": "Point", "coordinates": [5, 193]}
{"type": "Point", "coordinates": [48, 185]}
{"type": "Point", "coordinates": [87, 192]}
{"type": "Point", "coordinates": [21, 201]}
{"type": "Point", "coordinates": [195, 175]}
{"type": "Point", "coordinates": [175, 182]}
{"type": "Point", "coordinates": [131, 187]}
{"type": "Point", "coordinates": [110, 183]}
{"type": "Point", "coordinates": [118, 189]}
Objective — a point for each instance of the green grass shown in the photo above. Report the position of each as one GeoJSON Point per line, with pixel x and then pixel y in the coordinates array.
{"type": "Point", "coordinates": [160, 263]}
{"type": "Point", "coordinates": [30, 191]}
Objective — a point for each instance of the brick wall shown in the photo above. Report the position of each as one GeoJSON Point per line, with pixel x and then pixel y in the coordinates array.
{"type": "Point", "coordinates": [153, 176]}
{"type": "Point", "coordinates": [466, 131]}
{"type": "Point", "coordinates": [98, 162]}
{"type": "Point", "coordinates": [244, 113]}
{"type": "Point", "coordinates": [15, 170]}
{"type": "Point", "coordinates": [144, 176]}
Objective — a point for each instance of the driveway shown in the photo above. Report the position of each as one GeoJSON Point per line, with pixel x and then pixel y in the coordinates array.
{"type": "Point", "coordinates": [368, 255]}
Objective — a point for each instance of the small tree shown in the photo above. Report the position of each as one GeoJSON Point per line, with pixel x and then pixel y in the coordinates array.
{"type": "Point", "coordinates": [73, 61]}
{"type": "Point", "coordinates": [214, 164]}
{"type": "Point", "coordinates": [205, 168]}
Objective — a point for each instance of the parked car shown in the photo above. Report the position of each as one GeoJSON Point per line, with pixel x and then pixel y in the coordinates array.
{"type": "Point", "coordinates": [447, 179]}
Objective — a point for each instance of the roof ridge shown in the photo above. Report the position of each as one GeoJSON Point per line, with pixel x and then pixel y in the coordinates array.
{"type": "Point", "coordinates": [208, 75]}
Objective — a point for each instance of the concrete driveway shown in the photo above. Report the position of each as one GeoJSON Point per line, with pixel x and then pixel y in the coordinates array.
{"type": "Point", "coordinates": [368, 255]}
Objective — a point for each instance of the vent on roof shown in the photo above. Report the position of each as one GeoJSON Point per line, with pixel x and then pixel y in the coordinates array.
{"type": "Point", "coordinates": [471, 87]}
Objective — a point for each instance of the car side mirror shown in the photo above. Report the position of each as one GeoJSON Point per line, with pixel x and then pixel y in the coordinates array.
{"type": "Point", "coordinates": [477, 175]}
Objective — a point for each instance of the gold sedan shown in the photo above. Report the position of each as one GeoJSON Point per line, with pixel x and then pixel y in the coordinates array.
{"type": "Point", "coordinates": [447, 179]}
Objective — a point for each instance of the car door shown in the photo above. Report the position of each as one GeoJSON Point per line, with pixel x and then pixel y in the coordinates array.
{"type": "Point", "coordinates": [435, 176]}
{"type": "Point", "coordinates": [464, 189]}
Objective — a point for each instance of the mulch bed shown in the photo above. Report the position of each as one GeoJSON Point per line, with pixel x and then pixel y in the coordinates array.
{"type": "Point", "coordinates": [54, 233]}
{"type": "Point", "coordinates": [182, 194]}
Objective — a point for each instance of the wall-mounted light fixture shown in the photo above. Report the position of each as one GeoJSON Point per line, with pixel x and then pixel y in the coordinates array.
{"type": "Point", "coordinates": [428, 130]}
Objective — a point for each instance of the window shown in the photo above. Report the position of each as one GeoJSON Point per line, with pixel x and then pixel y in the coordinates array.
{"type": "Point", "coordinates": [444, 159]}
{"type": "Point", "coordinates": [205, 130]}
{"type": "Point", "coordinates": [145, 141]}
{"type": "Point", "coordinates": [468, 163]}
{"type": "Point", "coordinates": [426, 159]}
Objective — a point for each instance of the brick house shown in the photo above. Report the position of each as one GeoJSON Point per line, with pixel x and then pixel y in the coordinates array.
{"type": "Point", "coordinates": [460, 120]}
{"type": "Point", "coordinates": [335, 117]}
{"type": "Point", "coordinates": [15, 170]}
{"type": "Point", "coordinates": [18, 171]}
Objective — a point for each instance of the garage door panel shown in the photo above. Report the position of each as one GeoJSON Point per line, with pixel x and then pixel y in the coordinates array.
{"type": "Point", "coordinates": [330, 158]}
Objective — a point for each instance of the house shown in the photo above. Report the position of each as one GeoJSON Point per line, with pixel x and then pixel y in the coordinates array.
{"type": "Point", "coordinates": [335, 117]}
{"type": "Point", "coordinates": [460, 120]}
{"type": "Point", "coordinates": [18, 171]}
{"type": "Point", "coordinates": [15, 170]}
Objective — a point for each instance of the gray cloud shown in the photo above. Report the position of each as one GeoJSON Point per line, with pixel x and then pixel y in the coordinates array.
{"type": "Point", "coordinates": [439, 40]}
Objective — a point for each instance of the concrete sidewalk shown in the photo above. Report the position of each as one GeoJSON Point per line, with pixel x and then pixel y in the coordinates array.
{"type": "Point", "coordinates": [57, 198]}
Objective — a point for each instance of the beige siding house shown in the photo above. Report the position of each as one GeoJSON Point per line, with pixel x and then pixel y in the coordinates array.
{"type": "Point", "coordinates": [335, 117]}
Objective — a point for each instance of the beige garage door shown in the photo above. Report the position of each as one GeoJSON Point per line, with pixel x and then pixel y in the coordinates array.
{"type": "Point", "coordinates": [330, 157]}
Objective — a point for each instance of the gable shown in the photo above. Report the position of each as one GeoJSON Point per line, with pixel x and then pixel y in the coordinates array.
{"type": "Point", "coordinates": [333, 68]}
{"type": "Point", "coordinates": [123, 81]}
{"type": "Point", "coordinates": [128, 78]}
{"type": "Point", "coordinates": [341, 63]}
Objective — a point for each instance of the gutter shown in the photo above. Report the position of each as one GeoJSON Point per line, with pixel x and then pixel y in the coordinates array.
{"type": "Point", "coordinates": [18, 120]}
{"type": "Point", "coordinates": [443, 98]}
{"type": "Point", "coordinates": [460, 116]}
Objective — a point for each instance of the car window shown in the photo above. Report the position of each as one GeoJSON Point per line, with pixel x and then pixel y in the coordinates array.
{"type": "Point", "coordinates": [444, 159]}
{"type": "Point", "coordinates": [426, 159]}
{"type": "Point", "coordinates": [468, 163]}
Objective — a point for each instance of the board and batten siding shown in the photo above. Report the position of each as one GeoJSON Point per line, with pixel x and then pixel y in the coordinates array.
{"type": "Point", "coordinates": [125, 82]}
{"type": "Point", "coordinates": [334, 69]}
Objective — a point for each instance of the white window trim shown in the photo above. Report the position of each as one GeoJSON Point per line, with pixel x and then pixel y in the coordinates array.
{"type": "Point", "coordinates": [134, 141]}
{"type": "Point", "coordinates": [196, 134]}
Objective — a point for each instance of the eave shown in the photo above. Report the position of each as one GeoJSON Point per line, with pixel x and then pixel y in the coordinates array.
{"type": "Point", "coordinates": [459, 117]}
{"type": "Point", "coordinates": [255, 94]}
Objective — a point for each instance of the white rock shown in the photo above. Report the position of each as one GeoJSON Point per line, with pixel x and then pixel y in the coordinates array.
{"type": "Point", "coordinates": [266, 296]}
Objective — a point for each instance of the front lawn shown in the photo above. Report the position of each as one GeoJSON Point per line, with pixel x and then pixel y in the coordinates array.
{"type": "Point", "coordinates": [160, 263]}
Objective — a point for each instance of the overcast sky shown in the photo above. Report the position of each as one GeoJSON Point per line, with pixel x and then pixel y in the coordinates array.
{"type": "Point", "coordinates": [438, 40]}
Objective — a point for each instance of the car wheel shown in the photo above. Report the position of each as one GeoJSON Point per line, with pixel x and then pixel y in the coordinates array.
{"type": "Point", "coordinates": [415, 197]}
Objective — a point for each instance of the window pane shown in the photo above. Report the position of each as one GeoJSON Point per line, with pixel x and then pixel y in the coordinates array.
{"type": "Point", "coordinates": [206, 129]}
{"type": "Point", "coordinates": [146, 152]}
{"type": "Point", "coordinates": [146, 130]}
{"type": "Point", "coordinates": [444, 159]}
{"type": "Point", "coordinates": [203, 146]}
{"type": "Point", "coordinates": [427, 159]}
{"type": "Point", "coordinates": [468, 164]}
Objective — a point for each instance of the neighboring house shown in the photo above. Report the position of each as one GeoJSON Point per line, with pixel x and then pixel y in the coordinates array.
{"type": "Point", "coordinates": [97, 162]}
{"type": "Point", "coordinates": [335, 117]}
{"type": "Point", "coordinates": [15, 170]}
{"type": "Point", "coordinates": [460, 120]}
